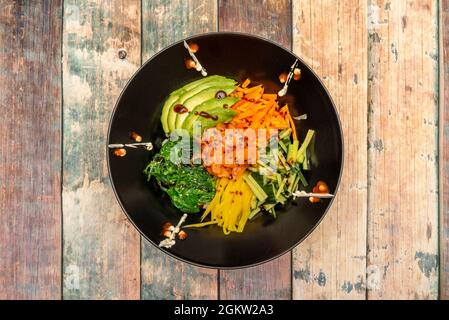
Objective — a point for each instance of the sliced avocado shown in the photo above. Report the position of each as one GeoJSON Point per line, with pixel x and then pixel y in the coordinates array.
{"type": "Point", "coordinates": [198, 99]}
{"type": "Point", "coordinates": [216, 83]}
{"type": "Point", "coordinates": [207, 106]}
{"type": "Point", "coordinates": [165, 110]}
{"type": "Point", "coordinates": [185, 94]}
{"type": "Point", "coordinates": [223, 116]}
{"type": "Point", "coordinates": [193, 84]}
{"type": "Point", "coordinates": [179, 92]}
{"type": "Point", "coordinates": [221, 83]}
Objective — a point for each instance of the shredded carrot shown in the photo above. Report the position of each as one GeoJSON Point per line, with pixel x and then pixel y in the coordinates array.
{"type": "Point", "coordinates": [269, 96]}
{"type": "Point", "coordinates": [292, 124]}
{"type": "Point", "coordinates": [246, 83]}
{"type": "Point", "coordinates": [257, 110]}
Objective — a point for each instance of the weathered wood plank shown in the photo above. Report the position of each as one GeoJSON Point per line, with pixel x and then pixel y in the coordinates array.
{"type": "Point", "coordinates": [444, 149]}
{"type": "Point", "coordinates": [30, 188]}
{"type": "Point", "coordinates": [331, 36]}
{"type": "Point", "coordinates": [270, 19]}
{"type": "Point", "coordinates": [166, 21]}
{"type": "Point", "coordinates": [101, 248]}
{"type": "Point", "coordinates": [402, 181]}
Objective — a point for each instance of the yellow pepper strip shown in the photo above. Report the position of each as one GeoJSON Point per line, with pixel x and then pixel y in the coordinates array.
{"type": "Point", "coordinates": [200, 225]}
{"type": "Point", "coordinates": [246, 83]}
{"type": "Point", "coordinates": [246, 208]}
{"type": "Point", "coordinates": [222, 183]}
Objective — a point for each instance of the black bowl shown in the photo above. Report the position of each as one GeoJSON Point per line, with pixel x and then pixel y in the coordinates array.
{"type": "Point", "coordinates": [139, 108]}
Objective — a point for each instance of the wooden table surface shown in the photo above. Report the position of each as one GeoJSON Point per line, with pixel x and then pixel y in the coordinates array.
{"type": "Point", "coordinates": [62, 233]}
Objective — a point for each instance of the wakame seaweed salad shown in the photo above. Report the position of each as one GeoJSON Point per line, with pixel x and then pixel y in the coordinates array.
{"type": "Point", "coordinates": [189, 186]}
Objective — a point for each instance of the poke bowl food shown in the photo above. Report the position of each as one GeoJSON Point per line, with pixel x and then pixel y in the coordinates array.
{"type": "Point", "coordinates": [225, 150]}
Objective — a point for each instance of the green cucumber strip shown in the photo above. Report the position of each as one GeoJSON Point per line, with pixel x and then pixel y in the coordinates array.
{"type": "Point", "coordinates": [291, 182]}
{"type": "Point", "coordinates": [302, 179]}
{"type": "Point", "coordinates": [285, 133]}
{"type": "Point", "coordinates": [295, 184]}
{"type": "Point", "coordinates": [253, 202]}
{"type": "Point", "coordinates": [268, 206]}
{"type": "Point", "coordinates": [264, 179]}
{"type": "Point", "coordinates": [305, 144]}
{"type": "Point", "coordinates": [254, 186]}
{"type": "Point", "coordinates": [292, 151]}
{"type": "Point", "coordinates": [281, 188]}
{"type": "Point", "coordinates": [253, 213]}
{"type": "Point", "coordinates": [281, 199]}
{"type": "Point", "coordinates": [278, 179]}
{"type": "Point", "coordinates": [283, 161]}
{"type": "Point", "coordinates": [306, 164]}
{"type": "Point", "coordinates": [283, 146]}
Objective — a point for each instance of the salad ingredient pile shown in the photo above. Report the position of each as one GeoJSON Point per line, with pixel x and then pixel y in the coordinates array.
{"type": "Point", "coordinates": [232, 193]}
{"type": "Point", "coordinates": [189, 187]}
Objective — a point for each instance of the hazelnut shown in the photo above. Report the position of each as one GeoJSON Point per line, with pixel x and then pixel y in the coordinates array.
{"type": "Point", "coordinates": [193, 47]}
{"type": "Point", "coordinates": [323, 188]}
{"type": "Point", "coordinates": [166, 233]}
{"type": "Point", "coordinates": [166, 226]}
{"type": "Point", "coordinates": [190, 64]}
{"type": "Point", "coordinates": [182, 235]}
{"type": "Point", "coordinates": [314, 200]}
{"type": "Point", "coordinates": [136, 137]}
{"type": "Point", "coordinates": [283, 77]}
{"type": "Point", "coordinates": [120, 152]}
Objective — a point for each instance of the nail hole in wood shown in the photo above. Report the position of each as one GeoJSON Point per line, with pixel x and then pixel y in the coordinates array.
{"type": "Point", "coordinates": [122, 53]}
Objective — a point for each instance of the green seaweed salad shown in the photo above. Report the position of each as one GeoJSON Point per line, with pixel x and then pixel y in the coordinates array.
{"type": "Point", "coordinates": [189, 186]}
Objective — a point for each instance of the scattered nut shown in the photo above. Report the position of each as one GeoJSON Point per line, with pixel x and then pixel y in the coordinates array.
{"type": "Point", "coordinates": [182, 235]}
{"type": "Point", "coordinates": [190, 64]}
{"type": "Point", "coordinates": [322, 187]}
{"type": "Point", "coordinates": [135, 136]}
{"type": "Point", "coordinates": [120, 152]}
{"type": "Point", "coordinates": [193, 47]}
{"type": "Point", "coordinates": [314, 200]}
{"type": "Point", "coordinates": [166, 233]}
{"type": "Point", "coordinates": [283, 77]}
{"type": "Point", "coordinates": [167, 225]}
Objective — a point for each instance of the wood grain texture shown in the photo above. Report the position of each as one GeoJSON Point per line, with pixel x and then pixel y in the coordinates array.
{"type": "Point", "coordinates": [402, 181]}
{"type": "Point", "coordinates": [270, 19]}
{"type": "Point", "coordinates": [30, 166]}
{"type": "Point", "coordinates": [331, 36]}
{"type": "Point", "coordinates": [444, 149]}
{"type": "Point", "coordinates": [165, 22]}
{"type": "Point", "coordinates": [101, 248]}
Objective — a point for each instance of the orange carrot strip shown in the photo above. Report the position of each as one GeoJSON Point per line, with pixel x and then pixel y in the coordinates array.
{"type": "Point", "coordinates": [269, 96]}
{"type": "Point", "coordinates": [246, 83]}
{"type": "Point", "coordinates": [252, 89]}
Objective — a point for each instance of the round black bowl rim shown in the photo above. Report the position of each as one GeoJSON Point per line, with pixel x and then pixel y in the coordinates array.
{"type": "Point", "coordinates": [242, 34]}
